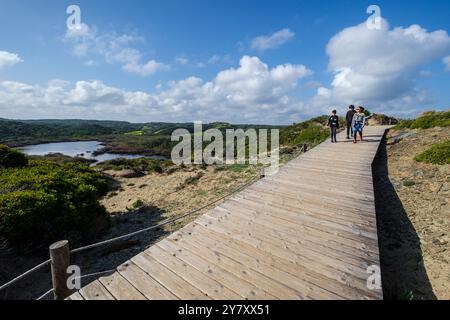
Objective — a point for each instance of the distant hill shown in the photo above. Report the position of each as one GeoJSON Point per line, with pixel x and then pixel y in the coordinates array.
{"type": "Point", "coordinates": [20, 132]}
{"type": "Point", "coordinates": [14, 132]}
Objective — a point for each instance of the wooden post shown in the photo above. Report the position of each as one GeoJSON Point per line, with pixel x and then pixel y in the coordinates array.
{"type": "Point", "coordinates": [60, 261]}
{"type": "Point", "coordinates": [262, 172]}
{"type": "Point", "coordinates": [305, 147]}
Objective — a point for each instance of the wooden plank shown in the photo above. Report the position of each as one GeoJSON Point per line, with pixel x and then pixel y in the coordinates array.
{"type": "Point", "coordinates": [95, 291]}
{"type": "Point", "coordinates": [279, 228]}
{"type": "Point", "coordinates": [203, 282]}
{"type": "Point", "coordinates": [148, 286]}
{"type": "Point", "coordinates": [75, 296]}
{"type": "Point", "coordinates": [168, 279]}
{"type": "Point", "coordinates": [120, 288]}
{"type": "Point", "coordinates": [312, 284]}
{"type": "Point", "coordinates": [230, 280]}
{"type": "Point", "coordinates": [296, 253]}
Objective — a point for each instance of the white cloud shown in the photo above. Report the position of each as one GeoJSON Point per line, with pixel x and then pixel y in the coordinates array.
{"type": "Point", "coordinates": [378, 67]}
{"type": "Point", "coordinates": [81, 31]}
{"type": "Point", "coordinates": [251, 92]}
{"type": "Point", "coordinates": [146, 69]}
{"type": "Point", "coordinates": [275, 40]}
{"type": "Point", "coordinates": [112, 48]}
{"type": "Point", "coordinates": [446, 61]}
{"type": "Point", "coordinates": [8, 59]}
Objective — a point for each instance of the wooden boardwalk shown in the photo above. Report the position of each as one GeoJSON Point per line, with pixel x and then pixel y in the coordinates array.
{"type": "Point", "coordinates": [308, 232]}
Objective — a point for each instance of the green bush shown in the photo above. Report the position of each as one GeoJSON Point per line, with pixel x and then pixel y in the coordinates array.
{"type": "Point", "coordinates": [427, 120]}
{"type": "Point", "coordinates": [408, 183]}
{"type": "Point", "coordinates": [140, 164]}
{"type": "Point", "coordinates": [10, 158]}
{"type": "Point", "coordinates": [439, 153]}
{"type": "Point", "coordinates": [312, 132]}
{"type": "Point", "coordinates": [45, 202]}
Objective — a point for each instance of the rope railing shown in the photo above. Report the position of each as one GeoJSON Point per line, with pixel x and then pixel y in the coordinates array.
{"type": "Point", "coordinates": [126, 236]}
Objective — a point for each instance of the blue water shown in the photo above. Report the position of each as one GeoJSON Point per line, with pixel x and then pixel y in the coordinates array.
{"type": "Point", "coordinates": [81, 149]}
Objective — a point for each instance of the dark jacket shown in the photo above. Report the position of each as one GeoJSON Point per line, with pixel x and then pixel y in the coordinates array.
{"type": "Point", "coordinates": [349, 116]}
{"type": "Point", "coordinates": [333, 121]}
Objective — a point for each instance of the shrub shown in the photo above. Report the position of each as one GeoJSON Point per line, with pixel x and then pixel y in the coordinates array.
{"type": "Point", "coordinates": [312, 132]}
{"type": "Point", "coordinates": [439, 153]}
{"type": "Point", "coordinates": [427, 120]}
{"type": "Point", "coordinates": [45, 202]}
{"type": "Point", "coordinates": [10, 158]}
{"type": "Point", "coordinates": [140, 164]}
{"type": "Point", "coordinates": [408, 183]}
{"type": "Point", "coordinates": [138, 204]}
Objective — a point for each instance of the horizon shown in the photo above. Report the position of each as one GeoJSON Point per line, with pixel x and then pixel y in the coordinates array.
{"type": "Point", "coordinates": [256, 62]}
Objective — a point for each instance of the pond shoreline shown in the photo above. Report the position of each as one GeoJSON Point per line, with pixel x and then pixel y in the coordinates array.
{"type": "Point", "coordinates": [91, 150]}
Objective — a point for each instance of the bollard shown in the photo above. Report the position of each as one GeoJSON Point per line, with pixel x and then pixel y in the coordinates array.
{"type": "Point", "coordinates": [262, 173]}
{"type": "Point", "coordinates": [60, 261]}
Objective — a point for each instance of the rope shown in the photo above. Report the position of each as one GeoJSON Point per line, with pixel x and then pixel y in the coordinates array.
{"type": "Point", "coordinates": [45, 294]}
{"type": "Point", "coordinates": [96, 274]}
{"type": "Point", "coordinates": [126, 236]}
{"type": "Point", "coordinates": [6, 285]}
{"type": "Point", "coordinates": [85, 276]}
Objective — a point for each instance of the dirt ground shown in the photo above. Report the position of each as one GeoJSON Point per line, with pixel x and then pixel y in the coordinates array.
{"type": "Point", "coordinates": [176, 193]}
{"type": "Point", "coordinates": [414, 217]}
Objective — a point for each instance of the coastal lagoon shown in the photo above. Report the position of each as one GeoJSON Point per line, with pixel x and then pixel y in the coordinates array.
{"type": "Point", "coordinates": [84, 149]}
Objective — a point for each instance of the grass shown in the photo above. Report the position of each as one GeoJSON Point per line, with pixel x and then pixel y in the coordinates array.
{"type": "Point", "coordinates": [138, 204]}
{"type": "Point", "coordinates": [236, 167]}
{"type": "Point", "coordinates": [427, 120]}
{"type": "Point", "coordinates": [408, 183]}
{"type": "Point", "coordinates": [311, 132]}
{"type": "Point", "coordinates": [438, 154]}
{"type": "Point", "coordinates": [190, 181]}
{"type": "Point", "coordinates": [135, 133]}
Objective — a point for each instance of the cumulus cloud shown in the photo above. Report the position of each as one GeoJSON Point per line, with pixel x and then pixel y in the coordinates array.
{"type": "Point", "coordinates": [252, 92]}
{"type": "Point", "coordinates": [8, 59]}
{"type": "Point", "coordinates": [112, 48]}
{"type": "Point", "coordinates": [145, 69]}
{"type": "Point", "coordinates": [272, 41]}
{"type": "Point", "coordinates": [378, 67]}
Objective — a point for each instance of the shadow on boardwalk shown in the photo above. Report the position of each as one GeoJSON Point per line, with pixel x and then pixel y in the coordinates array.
{"type": "Point", "coordinates": [403, 272]}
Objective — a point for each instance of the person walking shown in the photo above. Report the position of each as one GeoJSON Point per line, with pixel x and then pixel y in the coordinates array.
{"type": "Point", "coordinates": [333, 123]}
{"type": "Point", "coordinates": [348, 120]}
{"type": "Point", "coordinates": [358, 123]}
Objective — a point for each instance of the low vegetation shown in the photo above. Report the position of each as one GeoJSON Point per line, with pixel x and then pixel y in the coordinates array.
{"type": "Point", "coordinates": [138, 165]}
{"type": "Point", "coordinates": [439, 153]}
{"type": "Point", "coordinates": [42, 201]}
{"type": "Point", "coordinates": [427, 120]}
{"type": "Point", "coordinates": [10, 158]}
{"type": "Point", "coordinates": [311, 132]}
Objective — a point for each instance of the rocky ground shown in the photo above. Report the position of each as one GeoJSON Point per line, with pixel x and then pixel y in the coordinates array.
{"type": "Point", "coordinates": [414, 217]}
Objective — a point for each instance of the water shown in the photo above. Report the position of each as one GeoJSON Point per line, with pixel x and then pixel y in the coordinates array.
{"type": "Point", "coordinates": [81, 149]}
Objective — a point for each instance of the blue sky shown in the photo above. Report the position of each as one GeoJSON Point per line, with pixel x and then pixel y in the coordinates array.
{"type": "Point", "coordinates": [239, 61]}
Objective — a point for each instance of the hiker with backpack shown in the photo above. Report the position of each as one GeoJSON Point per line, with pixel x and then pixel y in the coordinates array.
{"type": "Point", "coordinates": [333, 123]}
